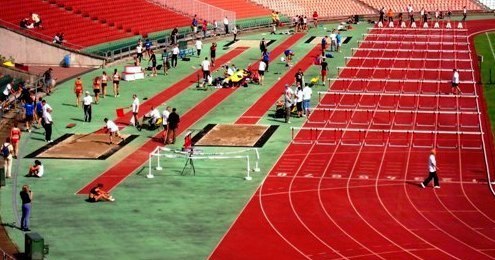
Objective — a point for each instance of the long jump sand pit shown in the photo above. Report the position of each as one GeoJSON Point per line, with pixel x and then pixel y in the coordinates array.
{"type": "Point", "coordinates": [234, 135]}
{"type": "Point", "coordinates": [81, 146]}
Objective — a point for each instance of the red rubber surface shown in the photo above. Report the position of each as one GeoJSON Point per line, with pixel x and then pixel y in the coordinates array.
{"type": "Point", "coordinates": [354, 192]}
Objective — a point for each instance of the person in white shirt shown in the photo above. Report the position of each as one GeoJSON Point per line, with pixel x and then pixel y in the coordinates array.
{"type": "Point", "coordinates": [175, 55]}
{"type": "Point", "coordinates": [455, 83]}
{"type": "Point", "coordinates": [307, 92]}
{"type": "Point", "coordinates": [87, 101]}
{"type": "Point", "coordinates": [299, 100]}
{"type": "Point", "coordinates": [135, 110]}
{"type": "Point", "coordinates": [226, 24]}
{"type": "Point", "coordinates": [7, 91]}
{"type": "Point", "coordinates": [47, 122]}
{"type": "Point", "coordinates": [205, 66]}
{"type": "Point", "coordinates": [464, 13]}
{"type": "Point", "coordinates": [333, 41]}
{"type": "Point", "coordinates": [139, 52]}
{"type": "Point", "coordinates": [199, 46]}
{"type": "Point", "coordinates": [37, 170]}
{"type": "Point", "coordinates": [288, 99]}
{"type": "Point", "coordinates": [154, 115]}
{"type": "Point", "coordinates": [234, 31]}
{"type": "Point", "coordinates": [165, 115]}
{"type": "Point", "coordinates": [432, 169]}
{"type": "Point", "coordinates": [261, 71]}
{"type": "Point", "coordinates": [36, 20]}
{"type": "Point", "coordinates": [112, 129]}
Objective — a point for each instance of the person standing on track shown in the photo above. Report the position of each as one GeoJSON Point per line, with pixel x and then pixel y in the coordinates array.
{"type": "Point", "coordinates": [324, 68]}
{"type": "Point", "coordinates": [261, 71]}
{"type": "Point", "coordinates": [288, 99]}
{"type": "Point", "coordinates": [213, 53]}
{"type": "Point", "coordinates": [464, 13]}
{"type": "Point", "coordinates": [382, 15]}
{"type": "Point", "coordinates": [104, 81]}
{"type": "Point", "coordinates": [455, 83]}
{"type": "Point", "coordinates": [432, 169]}
{"type": "Point", "coordinates": [307, 93]}
{"type": "Point", "coordinates": [205, 66]}
{"type": "Point", "coordinates": [165, 115]}
{"type": "Point", "coordinates": [173, 123]}
{"type": "Point", "coordinates": [135, 110]}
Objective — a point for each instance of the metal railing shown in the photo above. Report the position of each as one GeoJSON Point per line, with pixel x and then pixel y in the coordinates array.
{"type": "Point", "coordinates": [6, 256]}
{"type": "Point", "coordinates": [202, 10]}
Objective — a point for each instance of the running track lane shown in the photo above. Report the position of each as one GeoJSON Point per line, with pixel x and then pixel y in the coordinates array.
{"type": "Point", "coordinates": [453, 244]}
{"type": "Point", "coordinates": [257, 110]}
{"type": "Point", "coordinates": [115, 175]}
{"type": "Point", "coordinates": [175, 89]}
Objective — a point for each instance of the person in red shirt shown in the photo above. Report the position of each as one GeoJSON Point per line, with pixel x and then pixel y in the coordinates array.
{"type": "Point", "coordinates": [315, 19]}
{"type": "Point", "coordinates": [204, 28]}
{"type": "Point", "coordinates": [78, 90]}
{"type": "Point", "coordinates": [15, 136]}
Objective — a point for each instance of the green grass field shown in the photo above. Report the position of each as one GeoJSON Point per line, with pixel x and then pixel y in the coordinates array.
{"type": "Point", "coordinates": [485, 46]}
{"type": "Point", "coordinates": [170, 216]}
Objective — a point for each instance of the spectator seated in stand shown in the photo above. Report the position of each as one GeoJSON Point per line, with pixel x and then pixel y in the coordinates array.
{"type": "Point", "coordinates": [26, 24]}
{"type": "Point", "coordinates": [37, 23]}
{"type": "Point", "coordinates": [58, 38]}
{"type": "Point", "coordinates": [37, 170]}
{"type": "Point", "coordinates": [98, 194]}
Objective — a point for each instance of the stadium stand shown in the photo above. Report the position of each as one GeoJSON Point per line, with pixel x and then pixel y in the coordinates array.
{"type": "Point", "coordinates": [488, 3]}
{"type": "Point", "coordinates": [400, 5]}
{"type": "Point", "coordinates": [243, 9]}
{"type": "Point", "coordinates": [87, 23]}
{"type": "Point", "coordinates": [325, 8]}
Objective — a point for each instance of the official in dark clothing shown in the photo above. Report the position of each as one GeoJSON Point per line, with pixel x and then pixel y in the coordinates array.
{"type": "Point", "coordinates": [26, 198]}
{"type": "Point", "coordinates": [173, 123]}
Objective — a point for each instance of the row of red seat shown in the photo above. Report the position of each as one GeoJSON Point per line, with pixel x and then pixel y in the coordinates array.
{"type": "Point", "coordinates": [243, 9]}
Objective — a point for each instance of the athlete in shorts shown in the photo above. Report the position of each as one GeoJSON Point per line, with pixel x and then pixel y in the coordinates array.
{"type": "Point", "coordinates": [78, 89]}
{"type": "Point", "coordinates": [112, 130]}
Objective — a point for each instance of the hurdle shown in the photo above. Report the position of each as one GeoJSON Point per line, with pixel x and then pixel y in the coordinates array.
{"type": "Point", "coordinates": [354, 50]}
{"type": "Point", "coordinates": [399, 69]}
{"type": "Point", "coordinates": [386, 135]}
{"type": "Point", "coordinates": [414, 36]}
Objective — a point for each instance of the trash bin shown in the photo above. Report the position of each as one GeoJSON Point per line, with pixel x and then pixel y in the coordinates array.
{"type": "Point", "coordinates": [67, 60]}
{"type": "Point", "coordinates": [2, 177]}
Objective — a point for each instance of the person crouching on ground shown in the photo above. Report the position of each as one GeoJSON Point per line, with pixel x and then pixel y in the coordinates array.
{"type": "Point", "coordinates": [37, 170]}
{"type": "Point", "coordinates": [98, 194]}
{"type": "Point", "coordinates": [112, 130]}
{"type": "Point", "coordinates": [288, 57]}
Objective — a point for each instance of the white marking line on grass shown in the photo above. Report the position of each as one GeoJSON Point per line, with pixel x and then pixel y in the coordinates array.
{"type": "Point", "coordinates": [490, 43]}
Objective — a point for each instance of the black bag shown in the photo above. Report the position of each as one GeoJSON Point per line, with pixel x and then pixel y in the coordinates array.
{"type": "Point", "coordinates": [186, 59]}
{"type": "Point", "coordinates": [280, 113]}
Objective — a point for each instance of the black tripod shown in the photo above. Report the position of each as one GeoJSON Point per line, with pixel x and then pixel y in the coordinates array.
{"type": "Point", "coordinates": [189, 161]}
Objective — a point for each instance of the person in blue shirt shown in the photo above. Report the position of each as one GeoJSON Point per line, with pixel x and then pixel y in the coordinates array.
{"type": "Point", "coordinates": [266, 58]}
{"type": "Point", "coordinates": [147, 47]}
{"type": "Point", "coordinates": [339, 41]}
{"type": "Point", "coordinates": [39, 111]}
{"type": "Point", "coordinates": [29, 114]}
{"type": "Point", "coordinates": [324, 45]}
{"type": "Point", "coordinates": [288, 56]}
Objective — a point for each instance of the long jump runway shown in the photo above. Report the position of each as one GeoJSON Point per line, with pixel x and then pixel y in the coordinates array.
{"type": "Point", "coordinates": [347, 185]}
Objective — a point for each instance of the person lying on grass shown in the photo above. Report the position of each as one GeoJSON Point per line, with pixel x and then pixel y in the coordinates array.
{"type": "Point", "coordinates": [98, 194]}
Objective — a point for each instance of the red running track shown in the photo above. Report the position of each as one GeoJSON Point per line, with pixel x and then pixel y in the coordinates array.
{"type": "Point", "coordinates": [117, 173]}
{"type": "Point", "coordinates": [354, 192]}
{"type": "Point", "coordinates": [256, 111]}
